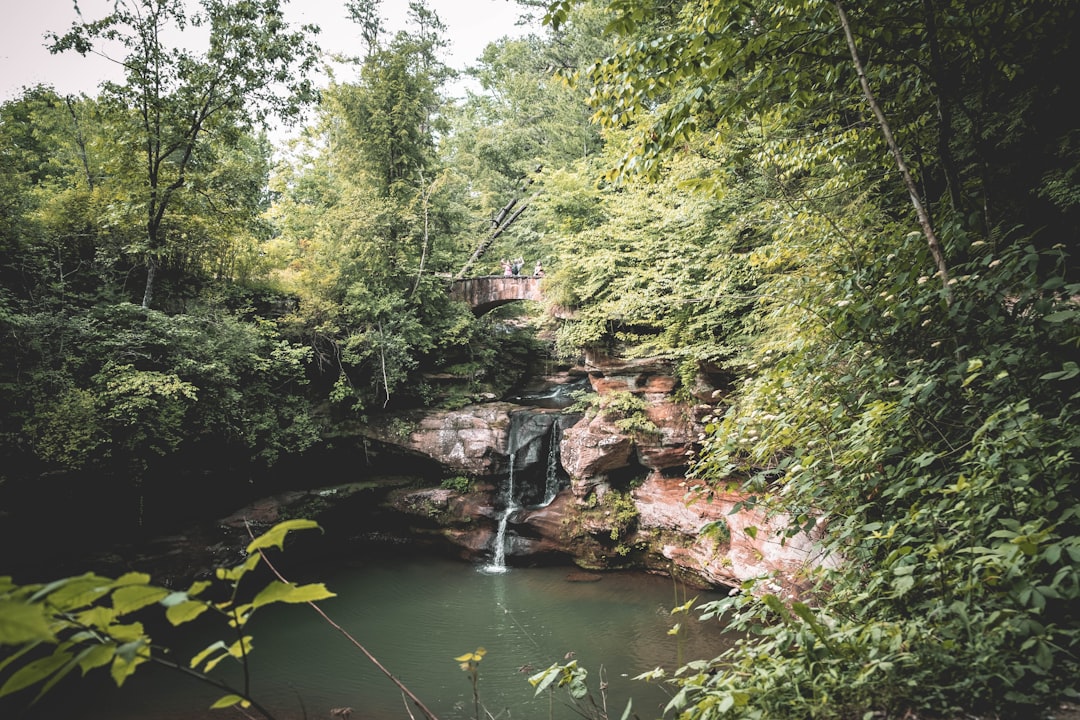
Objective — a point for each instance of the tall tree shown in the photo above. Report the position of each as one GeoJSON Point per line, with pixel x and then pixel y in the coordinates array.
{"type": "Point", "coordinates": [926, 436]}
{"type": "Point", "coordinates": [953, 83]}
{"type": "Point", "coordinates": [366, 215]}
{"type": "Point", "coordinates": [52, 170]}
{"type": "Point", "coordinates": [253, 67]}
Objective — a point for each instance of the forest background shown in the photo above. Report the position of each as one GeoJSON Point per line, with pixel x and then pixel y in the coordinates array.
{"type": "Point", "coordinates": [865, 216]}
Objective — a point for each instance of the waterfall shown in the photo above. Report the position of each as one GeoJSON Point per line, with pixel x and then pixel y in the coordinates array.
{"type": "Point", "coordinates": [498, 562]}
{"type": "Point", "coordinates": [551, 485]}
{"type": "Point", "coordinates": [533, 478]}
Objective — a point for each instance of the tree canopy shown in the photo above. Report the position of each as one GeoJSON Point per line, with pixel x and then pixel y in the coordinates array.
{"type": "Point", "coordinates": [914, 393]}
{"type": "Point", "coordinates": [175, 102]}
{"type": "Point", "coordinates": [865, 216]}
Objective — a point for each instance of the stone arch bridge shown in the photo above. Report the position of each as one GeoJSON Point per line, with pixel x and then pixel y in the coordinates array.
{"type": "Point", "coordinates": [488, 292]}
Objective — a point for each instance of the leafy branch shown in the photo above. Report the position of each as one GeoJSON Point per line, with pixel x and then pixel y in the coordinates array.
{"type": "Point", "coordinates": [87, 621]}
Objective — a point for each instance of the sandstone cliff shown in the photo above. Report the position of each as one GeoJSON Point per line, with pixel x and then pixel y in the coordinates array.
{"type": "Point", "coordinates": [623, 498]}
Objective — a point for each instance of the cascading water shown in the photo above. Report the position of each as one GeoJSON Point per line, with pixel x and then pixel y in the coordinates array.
{"type": "Point", "coordinates": [552, 480]}
{"type": "Point", "coordinates": [534, 477]}
{"type": "Point", "coordinates": [498, 561]}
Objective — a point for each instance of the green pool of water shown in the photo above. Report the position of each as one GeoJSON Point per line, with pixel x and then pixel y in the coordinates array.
{"type": "Point", "coordinates": [415, 615]}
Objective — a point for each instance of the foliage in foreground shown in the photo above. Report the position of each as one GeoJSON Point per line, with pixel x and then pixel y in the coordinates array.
{"type": "Point", "coordinates": [945, 479]}
{"type": "Point", "coordinates": [918, 413]}
{"type": "Point", "coordinates": [90, 622]}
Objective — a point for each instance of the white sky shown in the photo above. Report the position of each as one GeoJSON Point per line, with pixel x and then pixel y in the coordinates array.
{"type": "Point", "coordinates": [24, 61]}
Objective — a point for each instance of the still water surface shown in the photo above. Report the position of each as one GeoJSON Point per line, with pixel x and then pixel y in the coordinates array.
{"type": "Point", "coordinates": [416, 615]}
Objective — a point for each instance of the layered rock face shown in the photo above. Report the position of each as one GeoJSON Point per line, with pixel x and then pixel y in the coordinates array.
{"type": "Point", "coordinates": [622, 500]}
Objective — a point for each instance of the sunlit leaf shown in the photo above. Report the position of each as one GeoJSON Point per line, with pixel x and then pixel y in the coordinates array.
{"type": "Point", "coordinates": [96, 656]}
{"type": "Point", "coordinates": [132, 632]}
{"type": "Point", "coordinates": [23, 622]}
{"type": "Point", "coordinates": [206, 652]}
{"type": "Point", "coordinates": [543, 679]}
{"type": "Point", "coordinates": [134, 597]}
{"type": "Point", "coordinates": [275, 536]}
{"type": "Point", "coordinates": [226, 701]}
{"type": "Point", "coordinates": [34, 672]}
{"type": "Point", "coordinates": [240, 648]}
{"type": "Point", "coordinates": [288, 593]}
{"type": "Point", "coordinates": [185, 611]}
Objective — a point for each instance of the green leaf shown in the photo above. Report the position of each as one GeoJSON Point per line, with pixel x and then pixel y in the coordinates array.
{"type": "Point", "coordinates": [24, 650]}
{"type": "Point", "coordinates": [288, 593]}
{"type": "Point", "coordinates": [95, 657]}
{"type": "Point", "coordinates": [130, 633]}
{"type": "Point", "coordinates": [1069, 371]}
{"type": "Point", "coordinates": [205, 652]}
{"type": "Point", "coordinates": [23, 622]}
{"type": "Point", "coordinates": [185, 611]}
{"type": "Point", "coordinates": [1062, 316]}
{"type": "Point", "coordinates": [275, 536]}
{"type": "Point", "coordinates": [578, 687]}
{"type": "Point", "coordinates": [174, 598]}
{"type": "Point", "coordinates": [227, 701]}
{"type": "Point", "coordinates": [241, 647]}
{"type": "Point", "coordinates": [213, 662]}
{"type": "Point", "coordinates": [198, 587]}
{"type": "Point", "coordinates": [903, 584]}
{"type": "Point", "coordinates": [238, 571]}
{"type": "Point", "coordinates": [544, 678]}
{"type": "Point", "coordinates": [804, 612]}
{"type": "Point", "coordinates": [34, 672]}
{"type": "Point", "coordinates": [132, 578]}
{"type": "Point", "coordinates": [131, 650]}
{"type": "Point", "coordinates": [97, 617]}
{"type": "Point", "coordinates": [773, 603]}
{"type": "Point", "coordinates": [135, 597]}
{"type": "Point", "coordinates": [685, 607]}
{"type": "Point", "coordinates": [75, 592]}
{"type": "Point", "coordinates": [1044, 656]}
{"type": "Point", "coordinates": [63, 672]}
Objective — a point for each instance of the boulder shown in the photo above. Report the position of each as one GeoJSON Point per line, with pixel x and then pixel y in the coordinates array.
{"type": "Point", "coordinates": [699, 533]}
{"type": "Point", "coordinates": [594, 447]}
{"type": "Point", "coordinates": [470, 440]}
{"type": "Point", "coordinates": [651, 376]}
{"type": "Point", "coordinates": [674, 443]}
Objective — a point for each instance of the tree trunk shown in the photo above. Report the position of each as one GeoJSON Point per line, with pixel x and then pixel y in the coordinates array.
{"type": "Point", "coordinates": [886, 131]}
{"type": "Point", "coordinates": [151, 271]}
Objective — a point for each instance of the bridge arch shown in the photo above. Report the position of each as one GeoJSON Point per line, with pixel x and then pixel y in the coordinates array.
{"type": "Point", "coordinates": [488, 292]}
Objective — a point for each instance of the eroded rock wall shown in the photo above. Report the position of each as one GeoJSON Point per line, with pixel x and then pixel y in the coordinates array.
{"type": "Point", "coordinates": [627, 503]}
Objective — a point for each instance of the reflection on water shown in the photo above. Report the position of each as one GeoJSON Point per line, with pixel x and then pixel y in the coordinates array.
{"type": "Point", "coordinates": [415, 615]}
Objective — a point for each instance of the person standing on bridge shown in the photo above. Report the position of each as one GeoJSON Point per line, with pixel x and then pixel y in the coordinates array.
{"type": "Point", "coordinates": [507, 269]}
{"type": "Point", "coordinates": [538, 270]}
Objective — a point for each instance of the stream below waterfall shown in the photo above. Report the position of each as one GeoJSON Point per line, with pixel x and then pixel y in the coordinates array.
{"type": "Point", "coordinates": [416, 614]}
